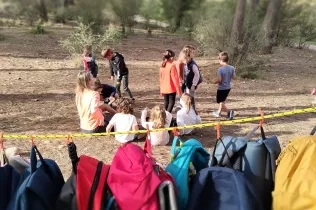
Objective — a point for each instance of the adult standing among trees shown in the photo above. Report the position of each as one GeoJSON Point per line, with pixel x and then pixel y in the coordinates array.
{"type": "Point", "coordinates": [169, 80]}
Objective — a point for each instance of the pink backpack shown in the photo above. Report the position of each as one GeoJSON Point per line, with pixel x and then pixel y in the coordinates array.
{"type": "Point", "coordinates": [134, 178]}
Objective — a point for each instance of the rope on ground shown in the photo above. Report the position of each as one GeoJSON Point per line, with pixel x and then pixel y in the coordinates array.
{"type": "Point", "coordinates": [213, 124]}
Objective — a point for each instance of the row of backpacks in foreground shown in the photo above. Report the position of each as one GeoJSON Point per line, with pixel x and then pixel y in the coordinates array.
{"type": "Point", "coordinates": [240, 174]}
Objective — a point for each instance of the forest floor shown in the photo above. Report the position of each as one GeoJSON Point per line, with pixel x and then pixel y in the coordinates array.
{"type": "Point", "coordinates": [38, 80]}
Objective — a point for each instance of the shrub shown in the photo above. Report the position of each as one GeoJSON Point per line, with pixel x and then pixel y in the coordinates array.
{"type": "Point", "coordinates": [38, 29]}
{"type": "Point", "coordinates": [84, 36]}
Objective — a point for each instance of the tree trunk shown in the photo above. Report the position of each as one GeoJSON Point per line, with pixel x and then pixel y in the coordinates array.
{"type": "Point", "coordinates": [237, 30]}
{"type": "Point", "coordinates": [270, 24]}
{"type": "Point", "coordinates": [68, 2]}
{"type": "Point", "coordinates": [43, 10]}
{"type": "Point", "coordinates": [254, 4]}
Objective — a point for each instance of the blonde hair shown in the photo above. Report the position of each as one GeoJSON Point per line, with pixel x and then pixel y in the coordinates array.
{"type": "Point", "coordinates": [158, 117]}
{"type": "Point", "coordinates": [124, 106]}
{"type": "Point", "coordinates": [188, 102]}
{"type": "Point", "coordinates": [87, 50]}
{"type": "Point", "coordinates": [187, 52]}
{"type": "Point", "coordinates": [83, 80]}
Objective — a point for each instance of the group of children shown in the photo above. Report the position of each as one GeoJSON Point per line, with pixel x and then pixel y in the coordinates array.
{"type": "Point", "coordinates": [181, 78]}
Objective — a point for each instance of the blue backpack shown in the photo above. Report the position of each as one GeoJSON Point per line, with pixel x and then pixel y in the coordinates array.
{"type": "Point", "coordinates": [255, 159]}
{"type": "Point", "coordinates": [41, 185]}
{"type": "Point", "coordinates": [9, 180]}
{"type": "Point", "coordinates": [189, 157]}
{"type": "Point", "coordinates": [220, 188]}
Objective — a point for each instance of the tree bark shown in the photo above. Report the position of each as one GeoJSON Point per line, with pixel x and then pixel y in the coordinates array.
{"type": "Point", "coordinates": [270, 24]}
{"type": "Point", "coordinates": [43, 10]}
{"type": "Point", "coordinates": [237, 30]}
{"type": "Point", "coordinates": [254, 4]}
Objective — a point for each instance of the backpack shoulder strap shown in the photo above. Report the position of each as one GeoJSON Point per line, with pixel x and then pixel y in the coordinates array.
{"type": "Point", "coordinates": [91, 179]}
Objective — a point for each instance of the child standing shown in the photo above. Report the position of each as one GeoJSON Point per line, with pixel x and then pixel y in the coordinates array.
{"type": "Point", "coordinates": [192, 75]}
{"type": "Point", "coordinates": [159, 118]}
{"type": "Point", "coordinates": [169, 80]}
{"type": "Point", "coordinates": [180, 65]}
{"type": "Point", "coordinates": [89, 63]}
{"type": "Point", "coordinates": [225, 74]}
{"type": "Point", "coordinates": [124, 120]}
{"type": "Point", "coordinates": [118, 69]}
{"type": "Point", "coordinates": [187, 115]}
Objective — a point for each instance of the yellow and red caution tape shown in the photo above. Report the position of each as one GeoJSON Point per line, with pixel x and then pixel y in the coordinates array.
{"type": "Point", "coordinates": [213, 124]}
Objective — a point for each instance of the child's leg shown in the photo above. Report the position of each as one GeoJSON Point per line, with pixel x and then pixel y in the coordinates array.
{"type": "Point", "coordinates": [125, 86]}
{"type": "Point", "coordinates": [118, 87]}
{"type": "Point", "coordinates": [166, 101]}
{"type": "Point", "coordinates": [172, 101]}
{"type": "Point", "coordinates": [222, 107]}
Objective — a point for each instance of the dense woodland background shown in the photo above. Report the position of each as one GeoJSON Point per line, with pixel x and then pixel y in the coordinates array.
{"type": "Point", "coordinates": [241, 27]}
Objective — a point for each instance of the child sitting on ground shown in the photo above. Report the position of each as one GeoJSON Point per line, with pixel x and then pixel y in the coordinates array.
{"type": "Point", "coordinates": [159, 118]}
{"type": "Point", "coordinates": [107, 92]}
{"type": "Point", "coordinates": [89, 63]}
{"type": "Point", "coordinates": [187, 115]}
{"type": "Point", "coordinates": [122, 121]}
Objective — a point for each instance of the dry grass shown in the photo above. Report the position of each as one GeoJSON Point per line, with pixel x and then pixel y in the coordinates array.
{"type": "Point", "coordinates": [38, 80]}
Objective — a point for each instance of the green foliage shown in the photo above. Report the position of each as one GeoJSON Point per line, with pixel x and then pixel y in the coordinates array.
{"type": "Point", "coordinates": [83, 35]}
{"type": "Point", "coordinates": [297, 22]}
{"type": "Point", "coordinates": [212, 36]}
{"type": "Point", "coordinates": [38, 29]}
{"type": "Point", "coordinates": [28, 9]}
{"type": "Point", "coordinates": [89, 13]}
{"type": "Point", "coordinates": [125, 11]}
{"type": "Point", "coordinates": [174, 11]}
{"type": "Point", "coordinates": [62, 14]}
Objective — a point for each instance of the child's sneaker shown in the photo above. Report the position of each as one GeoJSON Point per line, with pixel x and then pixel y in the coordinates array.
{"type": "Point", "coordinates": [216, 114]}
{"type": "Point", "coordinates": [230, 114]}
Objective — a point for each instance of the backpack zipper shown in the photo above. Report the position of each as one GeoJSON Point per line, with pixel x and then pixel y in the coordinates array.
{"type": "Point", "coordinates": [95, 185]}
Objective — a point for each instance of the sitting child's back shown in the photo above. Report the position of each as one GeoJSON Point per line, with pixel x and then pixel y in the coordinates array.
{"type": "Point", "coordinates": [159, 118]}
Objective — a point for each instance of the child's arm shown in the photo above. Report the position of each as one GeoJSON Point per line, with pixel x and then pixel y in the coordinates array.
{"type": "Point", "coordinates": [105, 107]}
{"type": "Point", "coordinates": [219, 77]}
{"type": "Point", "coordinates": [196, 76]}
{"type": "Point", "coordinates": [135, 125]}
{"type": "Point", "coordinates": [96, 112]}
{"type": "Point", "coordinates": [175, 79]}
{"type": "Point", "coordinates": [109, 128]}
{"type": "Point", "coordinates": [234, 75]}
{"type": "Point", "coordinates": [143, 118]}
{"type": "Point", "coordinates": [111, 124]}
{"type": "Point", "coordinates": [111, 70]}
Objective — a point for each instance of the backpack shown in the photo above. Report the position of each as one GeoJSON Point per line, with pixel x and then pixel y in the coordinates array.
{"type": "Point", "coordinates": [91, 65]}
{"type": "Point", "coordinates": [255, 159]}
{"type": "Point", "coordinates": [86, 188]}
{"type": "Point", "coordinates": [190, 157]}
{"type": "Point", "coordinates": [137, 182]}
{"type": "Point", "coordinates": [9, 180]}
{"type": "Point", "coordinates": [295, 184]}
{"type": "Point", "coordinates": [221, 188]}
{"type": "Point", "coordinates": [41, 185]}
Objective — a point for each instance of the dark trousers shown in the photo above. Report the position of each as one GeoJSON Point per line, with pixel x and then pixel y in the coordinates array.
{"type": "Point", "coordinates": [124, 80]}
{"type": "Point", "coordinates": [170, 100]}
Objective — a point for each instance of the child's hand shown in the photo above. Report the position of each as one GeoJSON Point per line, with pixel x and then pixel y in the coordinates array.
{"type": "Point", "coordinates": [112, 78]}
{"type": "Point", "coordinates": [192, 88]}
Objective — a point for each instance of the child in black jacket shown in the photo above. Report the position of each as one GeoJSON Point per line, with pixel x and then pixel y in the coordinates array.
{"type": "Point", "coordinates": [118, 69]}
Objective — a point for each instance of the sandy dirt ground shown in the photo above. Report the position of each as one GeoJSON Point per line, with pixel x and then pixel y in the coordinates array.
{"type": "Point", "coordinates": [38, 81]}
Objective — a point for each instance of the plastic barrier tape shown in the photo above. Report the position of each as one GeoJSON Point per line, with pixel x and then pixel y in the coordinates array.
{"type": "Point", "coordinates": [244, 120]}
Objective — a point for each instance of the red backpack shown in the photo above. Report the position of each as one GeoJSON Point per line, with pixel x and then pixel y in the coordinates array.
{"type": "Point", "coordinates": [134, 179]}
{"type": "Point", "coordinates": [86, 188]}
